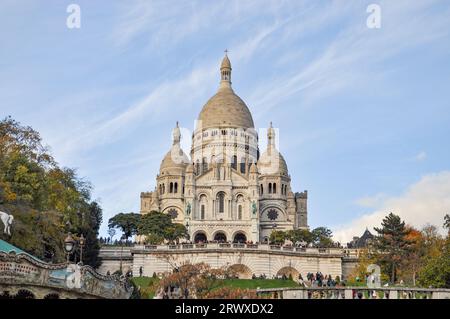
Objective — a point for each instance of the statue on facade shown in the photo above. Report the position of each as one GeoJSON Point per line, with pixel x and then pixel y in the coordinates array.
{"type": "Point", "coordinates": [188, 209]}
{"type": "Point", "coordinates": [254, 208]}
{"type": "Point", "coordinates": [7, 222]}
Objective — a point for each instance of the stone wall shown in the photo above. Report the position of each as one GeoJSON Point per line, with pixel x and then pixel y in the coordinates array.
{"type": "Point", "coordinates": [249, 262]}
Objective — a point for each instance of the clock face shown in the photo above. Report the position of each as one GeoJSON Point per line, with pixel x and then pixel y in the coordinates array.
{"type": "Point", "coordinates": [172, 213]}
{"type": "Point", "coordinates": [272, 214]}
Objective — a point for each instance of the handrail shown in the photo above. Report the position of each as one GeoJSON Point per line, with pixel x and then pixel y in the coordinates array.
{"type": "Point", "coordinates": [258, 247]}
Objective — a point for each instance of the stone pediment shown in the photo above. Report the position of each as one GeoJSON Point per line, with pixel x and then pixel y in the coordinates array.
{"type": "Point", "coordinates": [209, 176]}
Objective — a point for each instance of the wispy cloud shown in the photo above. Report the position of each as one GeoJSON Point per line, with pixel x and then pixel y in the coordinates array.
{"type": "Point", "coordinates": [371, 201]}
{"type": "Point", "coordinates": [352, 57]}
{"type": "Point", "coordinates": [420, 157]}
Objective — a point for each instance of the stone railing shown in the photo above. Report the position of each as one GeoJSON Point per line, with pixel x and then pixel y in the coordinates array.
{"type": "Point", "coordinates": [240, 246]}
{"type": "Point", "coordinates": [355, 293]}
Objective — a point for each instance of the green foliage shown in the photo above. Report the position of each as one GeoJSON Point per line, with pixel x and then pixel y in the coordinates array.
{"type": "Point", "coordinates": [300, 235]}
{"type": "Point", "coordinates": [322, 237]}
{"type": "Point", "coordinates": [175, 231]}
{"type": "Point", "coordinates": [146, 286]}
{"type": "Point", "coordinates": [436, 272]}
{"type": "Point", "coordinates": [278, 237]}
{"type": "Point", "coordinates": [392, 244]}
{"type": "Point", "coordinates": [157, 227]}
{"type": "Point", "coordinates": [127, 223]}
{"type": "Point", "coordinates": [46, 200]}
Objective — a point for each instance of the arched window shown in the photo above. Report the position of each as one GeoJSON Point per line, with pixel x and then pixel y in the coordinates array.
{"type": "Point", "coordinates": [175, 188]}
{"type": "Point", "coordinates": [262, 189]}
{"type": "Point", "coordinates": [197, 168]}
{"type": "Point", "coordinates": [202, 212]}
{"type": "Point", "coordinates": [204, 165]}
{"type": "Point", "coordinates": [243, 165]}
{"type": "Point", "coordinates": [270, 188]}
{"type": "Point", "coordinates": [164, 188]}
{"type": "Point", "coordinates": [171, 188]}
{"type": "Point", "coordinates": [274, 190]}
{"type": "Point", "coordinates": [240, 212]}
{"type": "Point", "coordinates": [234, 162]}
{"type": "Point", "coordinates": [221, 199]}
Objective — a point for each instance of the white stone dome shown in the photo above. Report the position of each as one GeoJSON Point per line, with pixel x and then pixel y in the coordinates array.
{"type": "Point", "coordinates": [271, 162]}
{"type": "Point", "coordinates": [225, 109]}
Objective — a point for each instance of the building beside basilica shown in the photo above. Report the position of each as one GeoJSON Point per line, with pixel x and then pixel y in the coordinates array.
{"type": "Point", "coordinates": [226, 190]}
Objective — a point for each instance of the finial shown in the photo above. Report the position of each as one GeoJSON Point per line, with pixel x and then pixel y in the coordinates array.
{"type": "Point", "coordinates": [271, 124]}
{"type": "Point", "coordinates": [177, 123]}
{"type": "Point", "coordinates": [226, 51]}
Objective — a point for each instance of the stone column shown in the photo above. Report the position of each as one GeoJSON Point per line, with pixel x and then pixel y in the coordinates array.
{"type": "Point", "coordinates": [348, 294]}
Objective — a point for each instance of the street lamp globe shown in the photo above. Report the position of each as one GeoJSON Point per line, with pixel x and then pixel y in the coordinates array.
{"type": "Point", "coordinates": [82, 240]}
{"type": "Point", "coordinates": [69, 243]}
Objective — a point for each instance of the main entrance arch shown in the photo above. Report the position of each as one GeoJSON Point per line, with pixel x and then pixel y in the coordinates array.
{"type": "Point", "coordinates": [200, 237]}
{"type": "Point", "coordinates": [220, 237]}
{"type": "Point", "coordinates": [239, 237]}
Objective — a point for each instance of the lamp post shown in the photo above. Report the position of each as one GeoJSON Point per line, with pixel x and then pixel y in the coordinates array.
{"type": "Point", "coordinates": [69, 245]}
{"type": "Point", "coordinates": [81, 242]}
{"type": "Point", "coordinates": [121, 252]}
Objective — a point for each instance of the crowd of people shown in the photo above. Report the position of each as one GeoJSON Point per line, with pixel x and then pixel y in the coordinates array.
{"type": "Point", "coordinates": [319, 280]}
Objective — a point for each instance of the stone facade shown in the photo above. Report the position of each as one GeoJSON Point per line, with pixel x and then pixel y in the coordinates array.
{"type": "Point", "coordinates": [271, 261]}
{"type": "Point", "coordinates": [226, 190]}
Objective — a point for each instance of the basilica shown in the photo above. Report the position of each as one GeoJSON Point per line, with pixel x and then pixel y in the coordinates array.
{"type": "Point", "coordinates": [225, 190]}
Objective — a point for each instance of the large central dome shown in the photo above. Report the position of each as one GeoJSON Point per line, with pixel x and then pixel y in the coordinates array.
{"type": "Point", "coordinates": [225, 108]}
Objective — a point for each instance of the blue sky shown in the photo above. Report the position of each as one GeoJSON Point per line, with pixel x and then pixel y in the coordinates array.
{"type": "Point", "coordinates": [363, 114]}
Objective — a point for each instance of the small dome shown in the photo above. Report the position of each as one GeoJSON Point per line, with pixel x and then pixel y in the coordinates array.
{"type": "Point", "coordinates": [225, 63]}
{"type": "Point", "coordinates": [175, 158]}
{"type": "Point", "coordinates": [272, 162]}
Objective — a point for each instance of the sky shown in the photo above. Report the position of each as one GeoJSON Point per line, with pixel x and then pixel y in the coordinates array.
{"type": "Point", "coordinates": [363, 114]}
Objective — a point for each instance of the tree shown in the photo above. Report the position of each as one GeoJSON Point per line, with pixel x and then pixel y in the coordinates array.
{"type": "Point", "coordinates": [412, 264]}
{"type": "Point", "coordinates": [300, 235]}
{"type": "Point", "coordinates": [436, 272]}
{"type": "Point", "coordinates": [46, 200]}
{"type": "Point", "coordinates": [90, 227]}
{"type": "Point", "coordinates": [278, 237]}
{"type": "Point", "coordinates": [175, 232]}
{"type": "Point", "coordinates": [194, 280]}
{"type": "Point", "coordinates": [392, 243]}
{"type": "Point", "coordinates": [321, 237]}
{"type": "Point", "coordinates": [158, 227]}
{"type": "Point", "coordinates": [111, 233]}
{"type": "Point", "coordinates": [127, 223]}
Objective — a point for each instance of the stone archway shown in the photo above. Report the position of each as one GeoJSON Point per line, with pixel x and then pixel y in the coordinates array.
{"type": "Point", "coordinates": [200, 237]}
{"type": "Point", "coordinates": [288, 271]}
{"type": "Point", "coordinates": [239, 237]}
{"type": "Point", "coordinates": [241, 271]}
{"type": "Point", "coordinates": [220, 236]}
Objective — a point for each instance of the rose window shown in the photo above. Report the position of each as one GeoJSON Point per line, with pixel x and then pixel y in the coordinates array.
{"type": "Point", "coordinates": [272, 214]}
